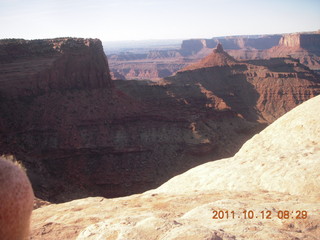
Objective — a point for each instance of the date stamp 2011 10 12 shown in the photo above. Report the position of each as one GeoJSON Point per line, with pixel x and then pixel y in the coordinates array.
{"type": "Point", "coordinates": [265, 214]}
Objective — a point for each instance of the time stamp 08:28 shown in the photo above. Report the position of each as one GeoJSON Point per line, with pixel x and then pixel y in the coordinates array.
{"type": "Point", "coordinates": [267, 214]}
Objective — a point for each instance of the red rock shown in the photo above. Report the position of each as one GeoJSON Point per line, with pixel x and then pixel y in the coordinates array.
{"type": "Point", "coordinates": [38, 66]}
{"type": "Point", "coordinates": [217, 58]}
{"type": "Point", "coordinates": [159, 64]}
{"type": "Point", "coordinates": [79, 135]}
{"type": "Point", "coordinates": [260, 90]}
{"type": "Point", "coordinates": [93, 137]}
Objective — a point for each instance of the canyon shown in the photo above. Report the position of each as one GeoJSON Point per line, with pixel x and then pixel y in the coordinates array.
{"type": "Point", "coordinates": [79, 133]}
{"type": "Point", "coordinates": [159, 63]}
{"type": "Point", "coordinates": [268, 190]}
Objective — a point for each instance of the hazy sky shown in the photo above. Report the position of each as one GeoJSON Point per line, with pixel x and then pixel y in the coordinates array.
{"type": "Point", "coordinates": [112, 20]}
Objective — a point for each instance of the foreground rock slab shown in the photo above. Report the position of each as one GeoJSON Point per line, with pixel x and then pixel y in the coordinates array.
{"type": "Point", "coordinates": [178, 216]}
{"type": "Point", "coordinates": [268, 190]}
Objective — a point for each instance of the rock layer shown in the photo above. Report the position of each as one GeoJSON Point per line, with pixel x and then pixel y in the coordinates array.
{"type": "Point", "coordinates": [260, 90]}
{"type": "Point", "coordinates": [307, 41]}
{"type": "Point", "coordinates": [260, 42]}
{"type": "Point", "coordinates": [80, 138]}
{"type": "Point", "coordinates": [38, 66]}
{"type": "Point", "coordinates": [163, 63]}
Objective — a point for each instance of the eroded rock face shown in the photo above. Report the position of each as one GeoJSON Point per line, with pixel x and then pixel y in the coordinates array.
{"type": "Point", "coordinates": [80, 138]}
{"type": "Point", "coordinates": [79, 135]}
{"type": "Point", "coordinates": [194, 46]}
{"type": "Point", "coordinates": [159, 64]}
{"type": "Point", "coordinates": [35, 67]}
{"type": "Point", "coordinates": [273, 173]}
{"type": "Point", "coordinates": [307, 41]}
{"type": "Point", "coordinates": [260, 90]}
{"type": "Point", "coordinates": [302, 46]}
{"type": "Point", "coordinates": [151, 69]}
{"type": "Point", "coordinates": [218, 57]}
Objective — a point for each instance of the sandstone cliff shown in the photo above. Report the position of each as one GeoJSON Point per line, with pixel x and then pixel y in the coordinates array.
{"type": "Point", "coordinates": [304, 47]}
{"type": "Point", "coordinates": [93, 137]}
{"type": "Point", "coordinates": [158, 64]}
{"type": "Point", "coordinates": [194, 46]}
{"type": "Point", "coordinates": [79, 134]}
{"type": "Point", "coordinates": [260, 90]}
{"type": "Point", "coordinates": [306, 41]}
{"type": "Point", "coordinates": [274, 177]}
{"type": "Point", "coordinates": [34, 67]}
{"type": "Point", "coordinates": [310, 41]}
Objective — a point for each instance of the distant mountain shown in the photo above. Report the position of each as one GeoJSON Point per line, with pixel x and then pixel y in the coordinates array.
{"type": "Point", "coordinates": [135, 65]}
{"type": "Point", "coordinates": [218, 57]}
{"type": "Point", "coordinates": [140, 46]}
{"type": "Point", "coordinates": [260, 90]}
{"type": "Point", "coordinates": [302, 46]}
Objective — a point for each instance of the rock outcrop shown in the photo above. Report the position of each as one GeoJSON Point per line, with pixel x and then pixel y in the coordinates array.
{"type": "Point", "coordinates": [268, 190]}
{"type": "Point", "coordinates": [93, 137]}
{"type": "Point", "coordinates": [304, 47]}
{"type": "Point", "coordinates": [152, 69]}
{"type": "Point", "coordinates": [306, 41]}
{"type": "Point", "coordinates": [285, 152]}
{"type": "Point", "coordinates": [217, 58]}
{"type": "Point", "coordinates": [159, 64]}
{"type": "Point", "coordinates": [260, 90]}
{"type": "Point", "coordinates": [34, 67]}
{"type": "Point", "coordinates": [260, 42]}
{"type": "Point", "coordinates": [79, 134]}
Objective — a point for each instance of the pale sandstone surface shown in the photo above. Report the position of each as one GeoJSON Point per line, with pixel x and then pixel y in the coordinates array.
{"type": "Point", "coordinates": [177, 216]}
{"type": "Point", "coordinates": [276, 170]}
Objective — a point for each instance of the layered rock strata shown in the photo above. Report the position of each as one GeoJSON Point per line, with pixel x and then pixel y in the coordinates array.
{"type": "Point", "coordinates": [93, 137]}
{"type": "Point", "coordinates": [35, 67]}
{"type": "Point", "coordinates": [260, 90]}
{"type": "Point", "coordinates": [79, 135]}
{"type": "Point", "coordinates": [158, 64]}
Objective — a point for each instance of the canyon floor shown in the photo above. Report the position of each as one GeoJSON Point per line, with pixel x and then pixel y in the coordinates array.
{"type": "Point", "coordinates": [274, 177]}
